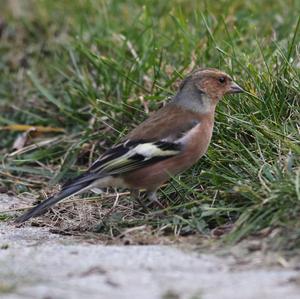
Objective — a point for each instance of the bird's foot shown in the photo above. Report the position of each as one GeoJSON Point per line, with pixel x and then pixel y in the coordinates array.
{"type": "Point", "coordinates": [152, 197]}
{"type": "Point", "coordinates": [136, 195]}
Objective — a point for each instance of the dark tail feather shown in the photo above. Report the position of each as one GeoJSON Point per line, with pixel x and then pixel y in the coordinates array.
{"type": "Point", "coordinates": [43, 206]}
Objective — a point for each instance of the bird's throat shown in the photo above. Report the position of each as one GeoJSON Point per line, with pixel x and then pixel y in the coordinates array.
{"type": "Point", "coordinates": [195, 101]}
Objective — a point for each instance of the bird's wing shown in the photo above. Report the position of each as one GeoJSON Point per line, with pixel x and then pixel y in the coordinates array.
{"type": "Point", "coordinates": [132, 155]}
{"type": "Point", "coordinates": [125, 157]}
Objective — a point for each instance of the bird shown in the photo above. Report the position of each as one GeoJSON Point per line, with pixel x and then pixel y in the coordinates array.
{"type": "Point", "coordinates": [169, 142]}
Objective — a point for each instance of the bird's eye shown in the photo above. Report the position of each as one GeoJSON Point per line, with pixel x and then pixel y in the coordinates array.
{"type": "Point", "coordinates": [222, 80]}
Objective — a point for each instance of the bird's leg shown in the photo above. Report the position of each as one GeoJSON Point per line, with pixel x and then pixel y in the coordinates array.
{"type": "Point", "coordinates": [136, 195]}
{"type": "Point", "coordinates": [152, 196]}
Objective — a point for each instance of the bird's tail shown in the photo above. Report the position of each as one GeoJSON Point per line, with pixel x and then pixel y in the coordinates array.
{"type": "Point", "coordinates": [67, 191]}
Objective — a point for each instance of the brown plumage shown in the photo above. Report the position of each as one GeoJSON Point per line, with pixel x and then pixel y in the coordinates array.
{"type": "Point", "coordinates": [170, 141]}
{"type": "Point", "coordinates": [173, 121]}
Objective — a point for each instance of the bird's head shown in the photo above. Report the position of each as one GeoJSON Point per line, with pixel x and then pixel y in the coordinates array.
{"type": "Point", "coordinates": [211, 82]}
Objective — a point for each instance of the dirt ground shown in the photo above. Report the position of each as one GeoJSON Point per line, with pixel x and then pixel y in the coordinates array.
{"type": "Point", "coordinates": [34, 263]}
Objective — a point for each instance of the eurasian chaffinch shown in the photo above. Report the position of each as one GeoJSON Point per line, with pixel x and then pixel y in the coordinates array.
{"type": "Point", "coordinates": [170, 141]}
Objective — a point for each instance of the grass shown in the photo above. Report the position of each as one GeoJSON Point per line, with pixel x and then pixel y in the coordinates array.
{"type": "Point", "coordinates": [95, 68]}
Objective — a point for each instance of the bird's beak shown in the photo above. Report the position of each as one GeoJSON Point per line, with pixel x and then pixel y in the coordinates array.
{"type": "Point", "coordinates": [234, 88]}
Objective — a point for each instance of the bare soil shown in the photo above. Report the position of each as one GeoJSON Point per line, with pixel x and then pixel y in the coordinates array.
{"type": "Point", "coordinates": [35, 263]}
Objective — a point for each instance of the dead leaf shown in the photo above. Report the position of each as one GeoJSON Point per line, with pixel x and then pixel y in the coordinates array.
{"type": "Point", "coordinates": [29, 133]}
{"type": "Point", "coordinates": [33, 146]}
{"type": "Point", "coordinates": [38, 129]}
{"type": "Point", "coordinates": [22, 139]}
{"type": "Point", "coordinates": [221, 230]}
